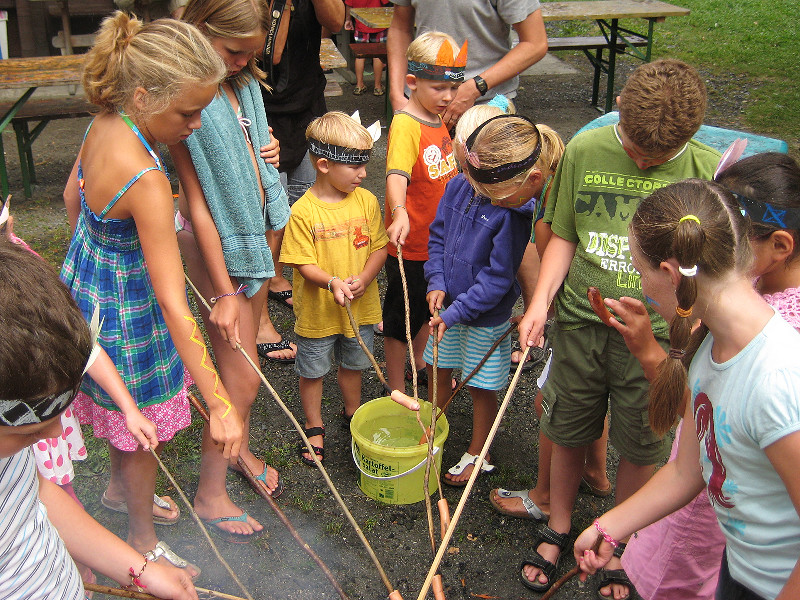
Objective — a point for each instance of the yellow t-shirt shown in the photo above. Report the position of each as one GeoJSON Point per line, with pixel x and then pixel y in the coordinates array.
{"type": "Point", "coordinates": [339, 238]}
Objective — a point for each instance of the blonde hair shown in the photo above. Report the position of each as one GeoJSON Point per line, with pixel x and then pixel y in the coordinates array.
{"type": "Point", "coordinates": [492, 147]}
{"type": "Point", "coordinates": [552, 149]}
{"type": "Point", "coordinates": [231, 19]}
{"type": "Point", "coordinates": [425, 48]}
{"type": "Point", "coordinates": [339, 129]}
{"type": "Point", "coordinates": [163, 57]}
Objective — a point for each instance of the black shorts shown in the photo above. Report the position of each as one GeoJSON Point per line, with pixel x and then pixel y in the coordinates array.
{"type": "Point", "coordinates": [394, 311]}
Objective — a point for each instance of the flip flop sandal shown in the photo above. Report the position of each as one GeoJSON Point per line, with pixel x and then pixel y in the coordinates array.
{"type": "Point", "coordinates": [358, 90]}
{"type": "Point", "coordinates": [588, 488]}
{"type": "Point", "coordinates": [549, 569]}
{"type": "Point", "coordinates": [263, 479]}
{"type": "Point", "coordinates": [466, 460]}
{"type": "Point", "coordinates": [280, 297]}
{"type": "Point", "coordinates": [378, 91]}
{"type": "Point", "coordinates": [163, 549]}
{"type": "Point", "coordinates": [122, 507]}
{"type": "Point", "coordinates": [230, 536]}
{"type": "Point", "coordinates": [422, 375]}
{"type": "Point", "coordinates": [265, 348]}
{"type": "Point", "coordinates": [532, 511]}
{"type": "Point", "coordinates": [318, 450]}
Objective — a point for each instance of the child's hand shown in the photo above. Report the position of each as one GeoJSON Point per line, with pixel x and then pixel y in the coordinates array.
{"type": "Point", "coordinates": [348, 25]}
{"type": "Point", "coordinates": [226, 431]}
{"type": "Point", "coordinates": [637, 331]}
{"type": "Point", "coordinates": [225, 316]}
{"type": "Point", "coordinates": [435, 299]}
{"type": "Point", "coordinates": [166, 581]}
{"type": "Point", "coordinates": [357, 286]}
{"type": "Point", "coordinates": [398, 230]}
{"type": "Point", "coordinates": [585, 556]}
{"type": "Point", "coordinates": [271, 152]}
{"type": "Point", "coordinates": [438, 327]}
{"type": "Point", "coordinates": [531, 326]}
{"type": "Point", "coordinates": [341, 290]}
{"type": "Point", "coordinates": [142, 428]}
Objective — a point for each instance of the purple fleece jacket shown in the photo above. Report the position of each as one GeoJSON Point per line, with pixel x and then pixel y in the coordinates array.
{"type": "Point", "coordinates": [474, 252]}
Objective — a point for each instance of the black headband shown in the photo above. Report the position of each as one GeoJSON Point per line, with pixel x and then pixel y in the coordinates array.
{"type": "Point", "coordinates": [505, 171]}
{"type": "Point", "coordinates": [436, 72]}
{"type": "Point", "coordinates": [767, 214]}
{"type": "Point", "coordinates": [20, 412]}
{"type": "Point", "coordinates": [339, 154]}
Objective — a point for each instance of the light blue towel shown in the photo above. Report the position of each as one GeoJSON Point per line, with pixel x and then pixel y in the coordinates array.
{"type": "Point", "coordinates": [225, 170]}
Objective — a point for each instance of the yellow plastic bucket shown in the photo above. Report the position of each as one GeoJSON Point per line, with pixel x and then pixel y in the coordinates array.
{"type": "Point", "coordinates": [387, 452]}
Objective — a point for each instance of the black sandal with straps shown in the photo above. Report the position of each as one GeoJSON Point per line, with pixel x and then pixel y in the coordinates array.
{"type": "Point", "coordinates": [318, 450]}
{"type": "Point", "coordinates": [609, 576]}
{"type": "Point", "coordinates": [547, 536]}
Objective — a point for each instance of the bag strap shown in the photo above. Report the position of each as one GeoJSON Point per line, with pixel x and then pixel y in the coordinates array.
{"type": "Point", "coordinates": [275, 43]}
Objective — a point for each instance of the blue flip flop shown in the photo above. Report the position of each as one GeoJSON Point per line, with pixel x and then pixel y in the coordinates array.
{"type": "Point", "coordinates": [230, 536]}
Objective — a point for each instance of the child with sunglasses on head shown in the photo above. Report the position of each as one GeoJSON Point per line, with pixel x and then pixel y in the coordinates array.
{"type": "Point", "coordinates": [474, 285]}
{"type": "Point", "coordinates": [45, 349]}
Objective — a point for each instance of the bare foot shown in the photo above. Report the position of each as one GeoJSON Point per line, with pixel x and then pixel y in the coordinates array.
{"type": "Point", "coordinates": [114, 500]}
{"type": "Point", "coordinates": [223, 506]}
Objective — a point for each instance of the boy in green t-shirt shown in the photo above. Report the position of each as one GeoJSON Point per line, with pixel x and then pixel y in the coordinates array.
{"type": "Point", "coordinates": [601, 178]}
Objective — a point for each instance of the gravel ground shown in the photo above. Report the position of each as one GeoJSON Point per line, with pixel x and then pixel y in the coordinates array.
{"type": "Point", "coordinates": [483, 558]}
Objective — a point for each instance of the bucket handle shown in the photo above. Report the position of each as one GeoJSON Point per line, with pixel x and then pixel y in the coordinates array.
{"type": "Point", "coordinates": [389, 477]}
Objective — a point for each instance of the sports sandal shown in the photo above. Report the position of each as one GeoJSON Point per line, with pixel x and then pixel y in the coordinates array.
{"type": "Point", "coordinates": [532, 511]}
{"type": "Point", "coordinates": [122, 506]}
{"type": "Point", "coordinates": [265, 348]}
{"type": "Point", "coordinates": [230, 536]}
{"type": "Point", "coordinates": [548, 536]}
{"type": "Point", "coordinates": [318, 450]}
{"type": "Point", "coordinates": [162, 549]}
{"type": "Point", "coordinates": [607, 577]}
{"type": "Point", "coordinates": [466, 460]}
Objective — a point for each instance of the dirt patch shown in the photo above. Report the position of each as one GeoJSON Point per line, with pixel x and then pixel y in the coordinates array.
{"type": "Point", "coordinates": [486, 549]}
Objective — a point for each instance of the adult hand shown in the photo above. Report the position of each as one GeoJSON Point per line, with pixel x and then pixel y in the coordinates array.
{"type": "Point", "coordinates": [465, 97]}
{"type": "Point", "coordinates": [225, 316]}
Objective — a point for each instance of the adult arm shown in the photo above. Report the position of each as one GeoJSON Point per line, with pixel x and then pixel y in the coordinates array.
{"type": "Point", "coordinates": [90, 543]}
{"type": "Point", "coordinates": [399, 36]}
{"type": "Point", "coordinates": [225, 311]}
{"type": "Point", "coordinates": [784, 456]}
{"type": "Point", "coordinates": [531, 48]}
{"type": "Point", "coordinates": [330, 14]}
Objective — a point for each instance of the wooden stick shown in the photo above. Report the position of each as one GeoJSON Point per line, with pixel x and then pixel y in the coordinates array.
{"type": "Point", "coordinates": [123, 593]}
{"type": "Point", "coordinates": [569, 574]}
{"type": "Point", "coordinates": [361, 343]}
{"type": "Point", "coordinates": [320, 467]}
{"type": "Point", "coordinates": [256, 485]}
{"type": "Point", "coordinates": [472, 478]}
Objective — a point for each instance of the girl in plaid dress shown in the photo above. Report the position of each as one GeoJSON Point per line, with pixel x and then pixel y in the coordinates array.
{"type": "Point", "coordinates": [150, 82]}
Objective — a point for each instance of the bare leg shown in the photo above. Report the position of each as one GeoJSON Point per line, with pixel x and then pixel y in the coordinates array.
{"type": "Point", "coordinates": [279, 283]}
{"type": "Point", "coordinates": [377, 67]}
{"type": "Point", "coordinates": [311, 399]}
{"type": "Point", "coordinates": [484, 410]}
{"type": "Point", "coordinates": [359, 68]}
{"type": "Point", "coordinates": [594, 472]}
{"type": "Point", "coordinates": [395, 352]}
{"type": "Point", "coordinates": [268, 334]}
{"type": "Point", "coordinates": [350, 384]}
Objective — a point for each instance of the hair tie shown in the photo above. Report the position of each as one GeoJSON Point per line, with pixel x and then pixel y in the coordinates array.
{"type": "Point", "coordinates": [689, 218]}
{"type": "Point", "coordinates": [685, 313]}
{"type": "Point", "coordinates": [690, 272]}
{"type": "Point", "coordinates": [677, 353]}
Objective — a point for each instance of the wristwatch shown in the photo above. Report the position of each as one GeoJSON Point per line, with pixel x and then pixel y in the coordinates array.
{"type": "Point", "coordinates": [480, 84]}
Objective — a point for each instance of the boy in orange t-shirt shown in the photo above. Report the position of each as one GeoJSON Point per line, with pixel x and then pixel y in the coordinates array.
{"type": "Point", "coordinates": [419, 163]}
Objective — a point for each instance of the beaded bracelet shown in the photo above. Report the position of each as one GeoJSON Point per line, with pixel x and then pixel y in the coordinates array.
{"type": "Point", "coordinates": [135, 581]}
{"type": "Point", "coordinates": [330, 281]}
{"type": "Point", "coordinates": [403, 206]}
{"type": "Point", "coordinates": [614, 543]}
{"type": "Point", "coordinates": [241, 289]}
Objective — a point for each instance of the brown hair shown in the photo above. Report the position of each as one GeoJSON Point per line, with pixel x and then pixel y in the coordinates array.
{"type": "Point", "coordinates": [664, 226]}
{"type": "Point", "coordinates": [162, 57]}
{"type": "Point", "coordinates": [46, 340]}
{"type": "Point", "coordinates": [231, 19]}
{"type": "Point", "coordinates": [662, 105]}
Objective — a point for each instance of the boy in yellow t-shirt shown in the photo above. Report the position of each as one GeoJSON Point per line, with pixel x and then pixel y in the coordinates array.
{"type": "Point", "coordinates": [419, 163]}
{"type": "Point", "coordinates": [336, 242]}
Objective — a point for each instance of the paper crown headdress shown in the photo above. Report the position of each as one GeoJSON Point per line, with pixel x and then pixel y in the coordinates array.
{"type": "Point", "coordinates": [446, 68]}
{"type": "Point", "coordinates": [343, 154]}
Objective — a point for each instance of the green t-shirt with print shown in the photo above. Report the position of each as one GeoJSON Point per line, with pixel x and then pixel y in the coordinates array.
{"type": "Point", "coordinates": [597, 188]}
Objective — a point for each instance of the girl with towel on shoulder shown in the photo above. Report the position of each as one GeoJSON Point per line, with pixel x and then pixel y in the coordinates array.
{"type": "Point", "coordinates": [229, 196]}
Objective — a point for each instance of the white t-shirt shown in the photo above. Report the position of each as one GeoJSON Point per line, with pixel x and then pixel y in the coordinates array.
{"type": "Point", "coordinates": [34, 563]}
{"type": "Point", "coordinates": [755, 401]}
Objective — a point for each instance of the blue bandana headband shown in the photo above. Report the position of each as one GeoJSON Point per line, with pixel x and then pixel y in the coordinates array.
{"type": "Point", "coordinates": [339, 154]}
{"type": "Point", "coordinates": [436, 72]}
{"type": "Point", "coordinates": [767, 214]}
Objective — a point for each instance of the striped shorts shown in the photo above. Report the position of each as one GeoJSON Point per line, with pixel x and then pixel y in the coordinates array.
{"type": "Point", "coordinates": [463, 347]}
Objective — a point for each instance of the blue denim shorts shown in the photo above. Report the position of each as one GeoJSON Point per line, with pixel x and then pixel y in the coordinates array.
{"type": "Point", "coordinates": [316, 355]}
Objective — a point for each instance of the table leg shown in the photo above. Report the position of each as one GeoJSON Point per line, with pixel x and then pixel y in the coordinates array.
{"type": "Point", "coordinates": [612, 63]}
{"type": "Point", "coordinates": [12, 112]}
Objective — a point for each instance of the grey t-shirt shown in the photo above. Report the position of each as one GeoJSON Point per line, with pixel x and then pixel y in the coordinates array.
{"type": "Point", "coordinates": [487, 25]}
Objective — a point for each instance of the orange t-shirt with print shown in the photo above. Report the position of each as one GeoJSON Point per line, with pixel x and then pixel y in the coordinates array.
{"type": "Point", "coordinates": [423, 153]}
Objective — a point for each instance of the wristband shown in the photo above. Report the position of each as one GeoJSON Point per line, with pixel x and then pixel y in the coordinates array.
{"type": "Point", "coordinates": [403, 206]}
{"type": "Point", "coordinates": [241, 289]}
{"type": "Point", "coordinates": [330, 281]}
{"type": "Point", "coordinates": [135, 581]}
{"type": "Point", "coordinates": [614, 543]}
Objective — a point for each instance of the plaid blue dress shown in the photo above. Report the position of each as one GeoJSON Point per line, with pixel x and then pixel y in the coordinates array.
{"type": "Point", "coordinates": [105, 267]}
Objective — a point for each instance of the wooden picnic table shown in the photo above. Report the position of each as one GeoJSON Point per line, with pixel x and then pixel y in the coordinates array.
{"type": "Point", "coordinates": [606, 13]}
{"type": "Point", "coordinates": [329, 55]}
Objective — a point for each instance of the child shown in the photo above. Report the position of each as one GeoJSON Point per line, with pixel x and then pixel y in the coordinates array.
{"type": "Point", "coordinates": [363, 34]}
{"type": "Point", "coordinates": [44, 350]}
{"type": "Point", "coordinates": [690, 244]}
{"type": "Point", "coordinates": [600, 180]}
{"type": "Point", "coordinates": [419, 162]}
{"type": "Point", "coordinates": [228, 197]}
{"type": "Point", "coordinates": [489, 205]}
{"type": "Point", "coordinates": [336, 243]}
{"type": "Point", "coordinates": [150, 81]}
{"type": "Point", "coordinates": [678, 557]}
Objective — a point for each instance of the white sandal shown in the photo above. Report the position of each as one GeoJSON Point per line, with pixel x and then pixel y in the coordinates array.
{"type": "Point", "coordinates": [466, 460]}
{"type": "Point", "coordinates": [163, 549]}
{"type": "Point", "coordinates": [533, 511]}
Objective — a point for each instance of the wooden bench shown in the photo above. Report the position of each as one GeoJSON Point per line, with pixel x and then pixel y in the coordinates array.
{"type": "Point", "coordinates": [42, 110]}
{"type": "Point", "coordinates": [76, 41]}
{"type": "Point", "coordinates": [593, 47]}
